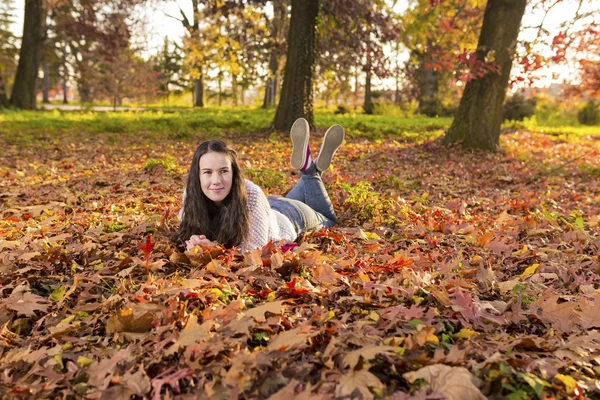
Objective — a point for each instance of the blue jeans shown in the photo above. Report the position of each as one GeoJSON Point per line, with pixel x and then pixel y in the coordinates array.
{"type": "Point", "coordinates": [307, 205]}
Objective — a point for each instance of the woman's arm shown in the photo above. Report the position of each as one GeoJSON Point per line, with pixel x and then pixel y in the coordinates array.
{"type": "Point", "coordinates": [260, 214]}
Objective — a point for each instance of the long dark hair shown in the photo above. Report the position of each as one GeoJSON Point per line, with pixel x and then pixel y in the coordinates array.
{"type": "Point", "coordinates": [227, 223]}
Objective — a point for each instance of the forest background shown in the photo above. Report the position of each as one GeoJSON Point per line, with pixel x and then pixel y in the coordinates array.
{"type": "Point", "coordinates": [452, 273]}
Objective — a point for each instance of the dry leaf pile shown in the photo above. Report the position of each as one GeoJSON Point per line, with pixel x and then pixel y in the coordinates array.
{"type": "Point", "coordinates": [452, 274]}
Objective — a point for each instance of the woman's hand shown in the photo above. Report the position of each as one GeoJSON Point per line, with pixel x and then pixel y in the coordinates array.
{"type": "Point", "coordinates": [198, 240]}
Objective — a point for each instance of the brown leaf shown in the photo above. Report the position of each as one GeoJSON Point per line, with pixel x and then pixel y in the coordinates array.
{"type": "Point", "coordinates": [287, 339]}
{"type": "Point", "coordinates": [561, 316]}
{"type": "Point", "coordinates": [368, 353]}
{"type": "Point", "coordinates": [590, 312]}
{"type": "Point", "coordinates": [191, 334]}
{"type": "Point", "coordinates": [457, 383]}
{"type": "Point", "coordinates": [361, 381]}
{"type": "Point", "coordinates": [24, 302]}
{"type": "Point", "coordinates": [126, 322]}
{"type": "Point", "coordinates": [258, 313]}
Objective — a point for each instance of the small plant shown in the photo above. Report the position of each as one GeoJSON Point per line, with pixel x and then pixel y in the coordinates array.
{"type": "Point", "coordinates": [368, 205]}
{"type": "Point", "coordinates": [167, 163]}
{"type": "Point", "coordinates": [265, 177]}
{"type": "Point", "coordinates": [589, 114]}
{"type": "Point", "coordinates": [110, 227]}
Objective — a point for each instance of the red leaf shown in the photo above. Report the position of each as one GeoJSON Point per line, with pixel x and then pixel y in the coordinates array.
{"type": "Point", "coordinates": [147, 248]}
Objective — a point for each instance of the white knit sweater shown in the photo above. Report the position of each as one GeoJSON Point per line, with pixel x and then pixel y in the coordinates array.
{"type": "Point", "coordinates": [266, 224]}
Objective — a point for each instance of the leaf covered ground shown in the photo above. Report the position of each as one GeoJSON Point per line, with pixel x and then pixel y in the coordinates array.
{"type": "Point", "coordinates": [452, 274]}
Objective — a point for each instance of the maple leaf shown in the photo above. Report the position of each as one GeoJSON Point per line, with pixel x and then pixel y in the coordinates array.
{"type": "Point", "coordinates": [147, 248]}
{"type": "Point", "coordinates": [456, 383]}
{"type": "Point", "coordinates": [24, 302]}
{"type": "Point", "coordinates": [590, 312]}
{"type": "Point", "coordinates": [287, 339]}
{"type": "Point", "coordinates": [368, 353]}
{"type": "Point", "coordinates": [101, 372]}
{"type": "Point", "coordinates": [360, 380]}
{"type": "Point", "coordinates": [192, 333]}
{"type": "Point", "coordinates": [258, 313]}
{"type": "Point", "coordinates": [169, 377]}
{"type": "Point", "coordinates": [560, 315]}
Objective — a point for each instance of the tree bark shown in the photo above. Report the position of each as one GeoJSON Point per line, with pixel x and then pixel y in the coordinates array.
{"type": "Point", "coordinates": [46, 84]}
{"type": "Point", "coordinates": [296, 94]}
{"type": "Point", "coordinates": [479, 115]}
{"type": "Point", "coordinates": [198, 92]}
{"type": "Point", "coordinates": [24, 89]}
{"type": "Point", "coordinates": [64, 75]}
{"type": "Point", "coordinates": [272, 80]}
{"type": "Point", "coordinates": [368, 105]}
{"type": "Point", "coordinates": [4, 103]}
{"type": "Point", "coordinates": [429, 90]}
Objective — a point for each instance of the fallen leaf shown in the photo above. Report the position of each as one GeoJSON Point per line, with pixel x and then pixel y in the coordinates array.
{"type": "Point", "coordinates": [361, 381]}
{"type": "Point", "coordinates": [456, 383]}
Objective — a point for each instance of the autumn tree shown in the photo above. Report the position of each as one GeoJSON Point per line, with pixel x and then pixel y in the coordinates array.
{"type": "Point", "coordinates": [24, 88]}
{"type": "Point", "coordinates": [297, 90]}
{"type": "Point", "coordinates": [278, 26]}
{"type": "Point", "coordinates": [168, 63]}
{"type": "Point", "coordinates": [8, 50]}
{"type": "Point", "coordinates": [479, 116]}
{"type": "Point", "coordinates": [439, 35]}
{"type": "Point", "coordinates": [352, 37]}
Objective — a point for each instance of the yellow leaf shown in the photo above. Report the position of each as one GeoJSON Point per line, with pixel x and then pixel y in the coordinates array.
{"type": "Point", "coordinates": [432, 339]}
{"type": "Point", "coordinates": [84, 361]}
{"type": "Point", "coordinates": [465, 333]}
{"type": "Point", "coordinates": [393, 341]}
{"type": "Point", "coordinates": [570, 383]}
{"type": "Point", "coordinates": [530, 270]}
{"type": "Point", "coordinates": [521, 252]}
{"type": "Point", "coordinates": [216, 291]}
{"type": "Point", "coordinates": [271, 296]}
{"type": "Point", "coordinates": [374, 316]}
{"type": "Point", "coordinates": [364, 277]}
{"type": "Point", "coordinates": [58, 293]}
{"type": "Point", "coordinates": [330, 315]}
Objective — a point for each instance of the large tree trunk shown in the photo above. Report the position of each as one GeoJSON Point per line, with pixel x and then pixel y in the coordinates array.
{"type": "Point", "coordinates": [296, 93]}
{"type": "Point", "coordinates": [24, 89]}
{"type": "Point", "coordinates": [479, 115]}
{"type": "Point", "coordinates": [198, 92]}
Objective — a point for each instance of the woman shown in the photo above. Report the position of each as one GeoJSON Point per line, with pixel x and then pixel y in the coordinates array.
{"type": "Point", "coordinates": [220, 207]}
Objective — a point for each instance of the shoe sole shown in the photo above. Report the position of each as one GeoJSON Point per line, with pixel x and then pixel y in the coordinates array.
{"type": "Point", "coordinates": [299, 136]}
{"type": "Point", "coordinates": [331, 142]}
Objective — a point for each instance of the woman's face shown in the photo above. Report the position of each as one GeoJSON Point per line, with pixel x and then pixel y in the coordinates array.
{"type": "Point", "coordinates": [216, 176]}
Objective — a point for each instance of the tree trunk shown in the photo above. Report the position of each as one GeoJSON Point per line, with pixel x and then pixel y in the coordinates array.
{"type": "Point", "coordinates": [198, 92]}
{"type": "Point", "coordinates": [234, 89]}
{"type": "Point", "coordinates": [64, 75]}
{"type": "Point", "coordinates": [220, 86]}
{"type": "Point", "coordinates": [368, 105]}
{"type": "Point", "coordinates": [479, 115]}
{"type": "Point", "coordinates": [4, 103]}
{"type": "Point", "coordinates": [272, 80]}
{"type": "Point", "coordinates": [24, 89]}
{"type": "Point", "coordinates": [64, 89]}
{"type": "Point", "coordinates": [429, 90]}
{"type": "Point", "coordinates": [46, 84]}
{"type": "Point", "coordinates": [296, 93]}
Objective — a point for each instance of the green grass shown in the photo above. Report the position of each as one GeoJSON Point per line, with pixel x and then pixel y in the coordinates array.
{"type": "Point", "coordinates": [27, 127]}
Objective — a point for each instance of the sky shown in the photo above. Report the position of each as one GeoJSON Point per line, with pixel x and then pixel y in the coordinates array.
{"type": "Point", "coordinates": [159, 23]}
